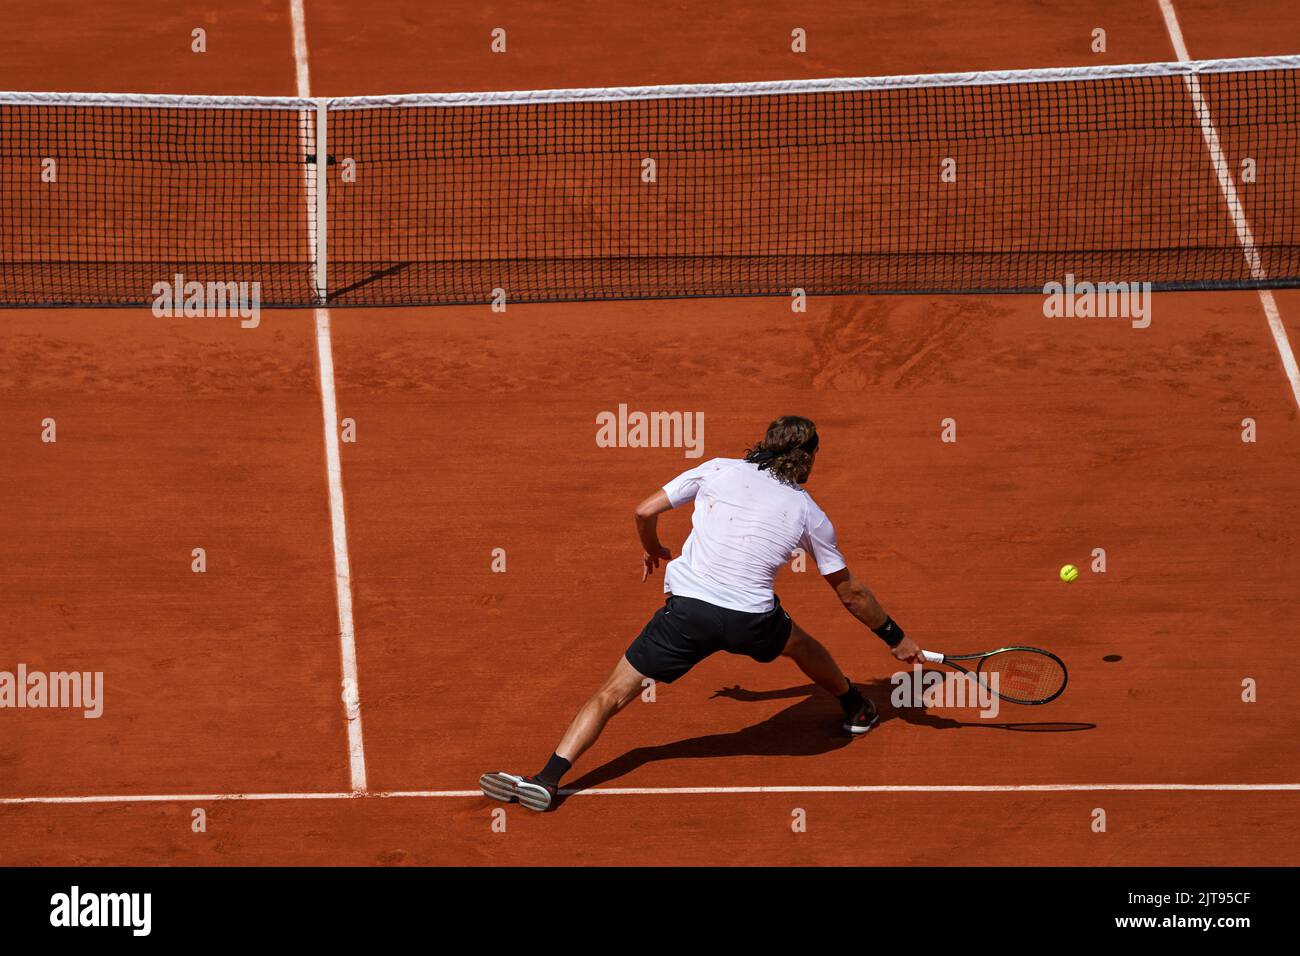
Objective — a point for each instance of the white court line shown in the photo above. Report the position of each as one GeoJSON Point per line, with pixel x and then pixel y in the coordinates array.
{"type": "Point", "coordinates": [674, 791]}
{"type": "Point", "coordinates": [302, 73]}
{"type": "Point", "coordinates": [342, 566]}
{"type": "Point", "coordinates": [1235, 210]}
{"type": "Point", "coordinates": [333, 461]}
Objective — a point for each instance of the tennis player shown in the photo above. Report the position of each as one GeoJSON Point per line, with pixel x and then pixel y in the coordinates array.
{"type": "Point", "coordinates": [749, 517]}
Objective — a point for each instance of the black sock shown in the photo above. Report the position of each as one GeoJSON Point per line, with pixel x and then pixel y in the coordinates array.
{"type": "Point", "coordinates": [555, 768]}
{"type": "Point", "coordinates": [850, 700]}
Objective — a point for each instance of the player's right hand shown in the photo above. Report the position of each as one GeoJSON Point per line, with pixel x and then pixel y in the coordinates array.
{"type": "Point", "coordinates": [907, 651]}
{"type": "Point", "coordinates": [650, 561]}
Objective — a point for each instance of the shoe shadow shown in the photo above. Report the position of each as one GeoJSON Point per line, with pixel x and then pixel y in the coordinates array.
{"type": "Point", "coordinates": [810, 726]}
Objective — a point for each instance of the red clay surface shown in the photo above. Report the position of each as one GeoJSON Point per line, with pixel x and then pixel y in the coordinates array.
{"type": "Point", "coordinates": [476, 431]}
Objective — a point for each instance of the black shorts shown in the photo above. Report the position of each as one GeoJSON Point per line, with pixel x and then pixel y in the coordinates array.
{"type": "Point", "coordinates": [685, 631]}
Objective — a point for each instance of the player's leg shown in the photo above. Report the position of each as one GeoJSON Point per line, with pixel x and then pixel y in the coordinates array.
{"type": "Point", "coordinates": [619, 690]}
{"type": "Point", "coordinates": [812, 657]}
{"type": "Point", "coordinates": [538, 792]}
{"type": "Point", "coordinates": [815, 661]}
{"type": "Point", "coordinates": [673, 641]}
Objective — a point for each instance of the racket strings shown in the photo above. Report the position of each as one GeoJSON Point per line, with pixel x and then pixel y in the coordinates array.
{"type": "Point", "coordinates": [1023, 675]}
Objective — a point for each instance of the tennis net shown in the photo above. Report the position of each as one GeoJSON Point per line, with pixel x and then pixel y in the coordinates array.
{"type": "Point", "coordinates": [1185, 175]}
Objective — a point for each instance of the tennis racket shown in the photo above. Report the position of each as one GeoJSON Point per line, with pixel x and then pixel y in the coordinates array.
{"type": "Point", "coordinates": [1025, 675]}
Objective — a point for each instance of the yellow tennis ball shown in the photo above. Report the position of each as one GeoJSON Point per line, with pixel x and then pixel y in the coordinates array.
{"type": "Point", "coordinates": [1069, 573]}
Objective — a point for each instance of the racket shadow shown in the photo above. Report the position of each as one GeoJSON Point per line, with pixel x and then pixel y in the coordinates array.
{"type": "Point", "coordinates": [879, 691]}
{"type": "Point", "coordinates": [811, 725]}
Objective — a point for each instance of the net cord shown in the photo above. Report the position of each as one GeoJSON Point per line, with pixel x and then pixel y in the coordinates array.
{"type": "Point", "coordinates": [689, 91]}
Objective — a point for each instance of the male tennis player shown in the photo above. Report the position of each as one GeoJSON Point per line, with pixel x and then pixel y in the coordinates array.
{"type": "Point", "coordinates": [749, 517]}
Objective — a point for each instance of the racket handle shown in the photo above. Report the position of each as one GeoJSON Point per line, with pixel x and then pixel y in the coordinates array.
{"type": "Point", "coordinates": [933, 657]}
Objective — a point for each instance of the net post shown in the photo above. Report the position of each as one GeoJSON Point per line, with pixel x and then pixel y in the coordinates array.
{"type": "Point", "coordinates": [322, 202]}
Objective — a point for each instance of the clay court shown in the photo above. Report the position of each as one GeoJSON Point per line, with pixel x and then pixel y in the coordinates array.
{"type": "Point", "coordinates": [363, 571]}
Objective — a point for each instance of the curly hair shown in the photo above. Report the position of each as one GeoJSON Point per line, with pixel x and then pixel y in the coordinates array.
{"type": "Point", "coordinates": [786, 450]}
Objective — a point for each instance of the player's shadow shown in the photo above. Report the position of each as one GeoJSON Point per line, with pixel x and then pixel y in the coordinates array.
{"type": "Point", "coordinates": [810, 726]}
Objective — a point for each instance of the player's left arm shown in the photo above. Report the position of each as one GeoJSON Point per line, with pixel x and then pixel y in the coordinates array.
{"type": "Point", "coordinates": [647, 529]}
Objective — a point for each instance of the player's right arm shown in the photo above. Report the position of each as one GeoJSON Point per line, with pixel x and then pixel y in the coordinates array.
{"type": "Point", "coordinates": [859, 601]}
{"type": "Point", "coordinates": [676, 493]}
{"type": "Point", "coordinates": [647, 529]}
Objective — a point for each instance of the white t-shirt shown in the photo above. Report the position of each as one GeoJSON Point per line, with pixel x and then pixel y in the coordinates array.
{"type": "Point", "coordinates": [745, 526]}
